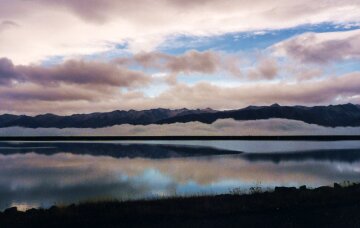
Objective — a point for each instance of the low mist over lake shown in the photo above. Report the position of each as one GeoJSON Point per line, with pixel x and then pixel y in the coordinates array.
{"type": "Point", "coordinates": [219, 127]}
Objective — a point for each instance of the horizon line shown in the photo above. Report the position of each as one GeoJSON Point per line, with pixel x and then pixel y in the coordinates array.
{"type": "Point", "coordinates": [187, 138]}
{"type": "Point", "coordinates": [174, 109]}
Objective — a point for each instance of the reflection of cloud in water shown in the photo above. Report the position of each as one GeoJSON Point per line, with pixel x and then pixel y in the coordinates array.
{"type": "Point", "coordinates": [340, 155]}
{"type": "Point", "coordinates": [263, 146]}
{"type": "Point", "coordinates": [33, 178]}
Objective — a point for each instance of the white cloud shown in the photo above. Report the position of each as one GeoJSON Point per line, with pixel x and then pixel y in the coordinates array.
{"type": "Point", "coordinates": [79, 27]}
{"type": "Point", "coordinates": [69, 99]}
{"type": "Point", "coordinates": [321, 47]}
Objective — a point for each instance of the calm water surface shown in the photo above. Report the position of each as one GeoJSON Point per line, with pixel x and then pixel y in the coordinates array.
{"type": "Point", "coordinates": [41, 174]}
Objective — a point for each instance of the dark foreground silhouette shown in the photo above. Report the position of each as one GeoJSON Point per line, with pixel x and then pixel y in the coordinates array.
{"type": "Point", "coordinates": [285, 207]}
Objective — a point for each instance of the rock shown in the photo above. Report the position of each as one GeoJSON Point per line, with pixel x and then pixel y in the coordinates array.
{"type": "Point", "coordinates": [337, 186]}
{"type": "Point", "coordinates": [302, 187]}
{"type": "Point", "coordinates": [324, 189]}
{"type": "Point", "coordinates": [285, 189]}
{"type": "Point", "coordinates": [11, 210]}
{"type": "Point", "coordinates": [31, 211]}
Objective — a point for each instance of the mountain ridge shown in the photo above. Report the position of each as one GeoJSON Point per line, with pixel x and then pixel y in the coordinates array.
{"type": "Point", "coordinates": [344, 115]}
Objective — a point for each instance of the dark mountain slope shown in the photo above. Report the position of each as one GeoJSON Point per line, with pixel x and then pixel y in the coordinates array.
{"type": "Point", "coordinates": [95, 120]}
{"type": "Point", "coordinates": [330, 116]}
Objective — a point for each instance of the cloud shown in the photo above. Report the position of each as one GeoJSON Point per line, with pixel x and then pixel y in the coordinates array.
{"type": "Point", "coordinates": [190, 62]}
{"type": "Point", "coordinates": [82, 27]}
{"type": "Point", "coordinates": [73, 82]}
{"type": "Point", "coordinates": [302, 73]}
{"type": "Point", "coordinates": [84, 72]}
{"type": "Point", "coordinates": [72, 72]}
{"type": "Point", "coordinates": [321, 91]}
{"type": "Point", "coordinates": [30, 92]}
{"type": "Point", "coordinates": [321, 48]}
{"type": "Point", "coordinates": [7, 71]}
{"type": "Point", "coordinates": [68, 99]}
{"type": "Point", "coordinates": [266, 68]}
{"type": "Point", "coordinates": [334, 90]}
{"type": "Point", "coordinates": [7, 25]}
{"type": "Point", "coordinates": [193, 61]}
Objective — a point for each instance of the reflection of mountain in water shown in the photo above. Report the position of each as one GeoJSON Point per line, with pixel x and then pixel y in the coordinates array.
{"type": "Point", "coordinates": [157, 151]}
{"type": "Point", "coordinates": [341, 155]}
{"type": "Point", "coordinates": [113, 149]}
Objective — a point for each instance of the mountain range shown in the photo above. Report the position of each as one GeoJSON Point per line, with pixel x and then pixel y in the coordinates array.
{"type": "Point", "coordinates": [330, 116]}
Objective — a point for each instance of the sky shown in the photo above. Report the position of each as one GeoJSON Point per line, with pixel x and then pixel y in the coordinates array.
{"type": "Point", "coordinates": [83, 56]}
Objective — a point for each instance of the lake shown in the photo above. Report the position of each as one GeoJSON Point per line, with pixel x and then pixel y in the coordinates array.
{"type": "Point", "coordinates": [40, 174]}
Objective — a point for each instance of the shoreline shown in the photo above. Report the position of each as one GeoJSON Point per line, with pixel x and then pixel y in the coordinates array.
{"type": "Point", "coordinates": [285, 206]}
{"type": "Point", "coordinates": [187, 138]}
